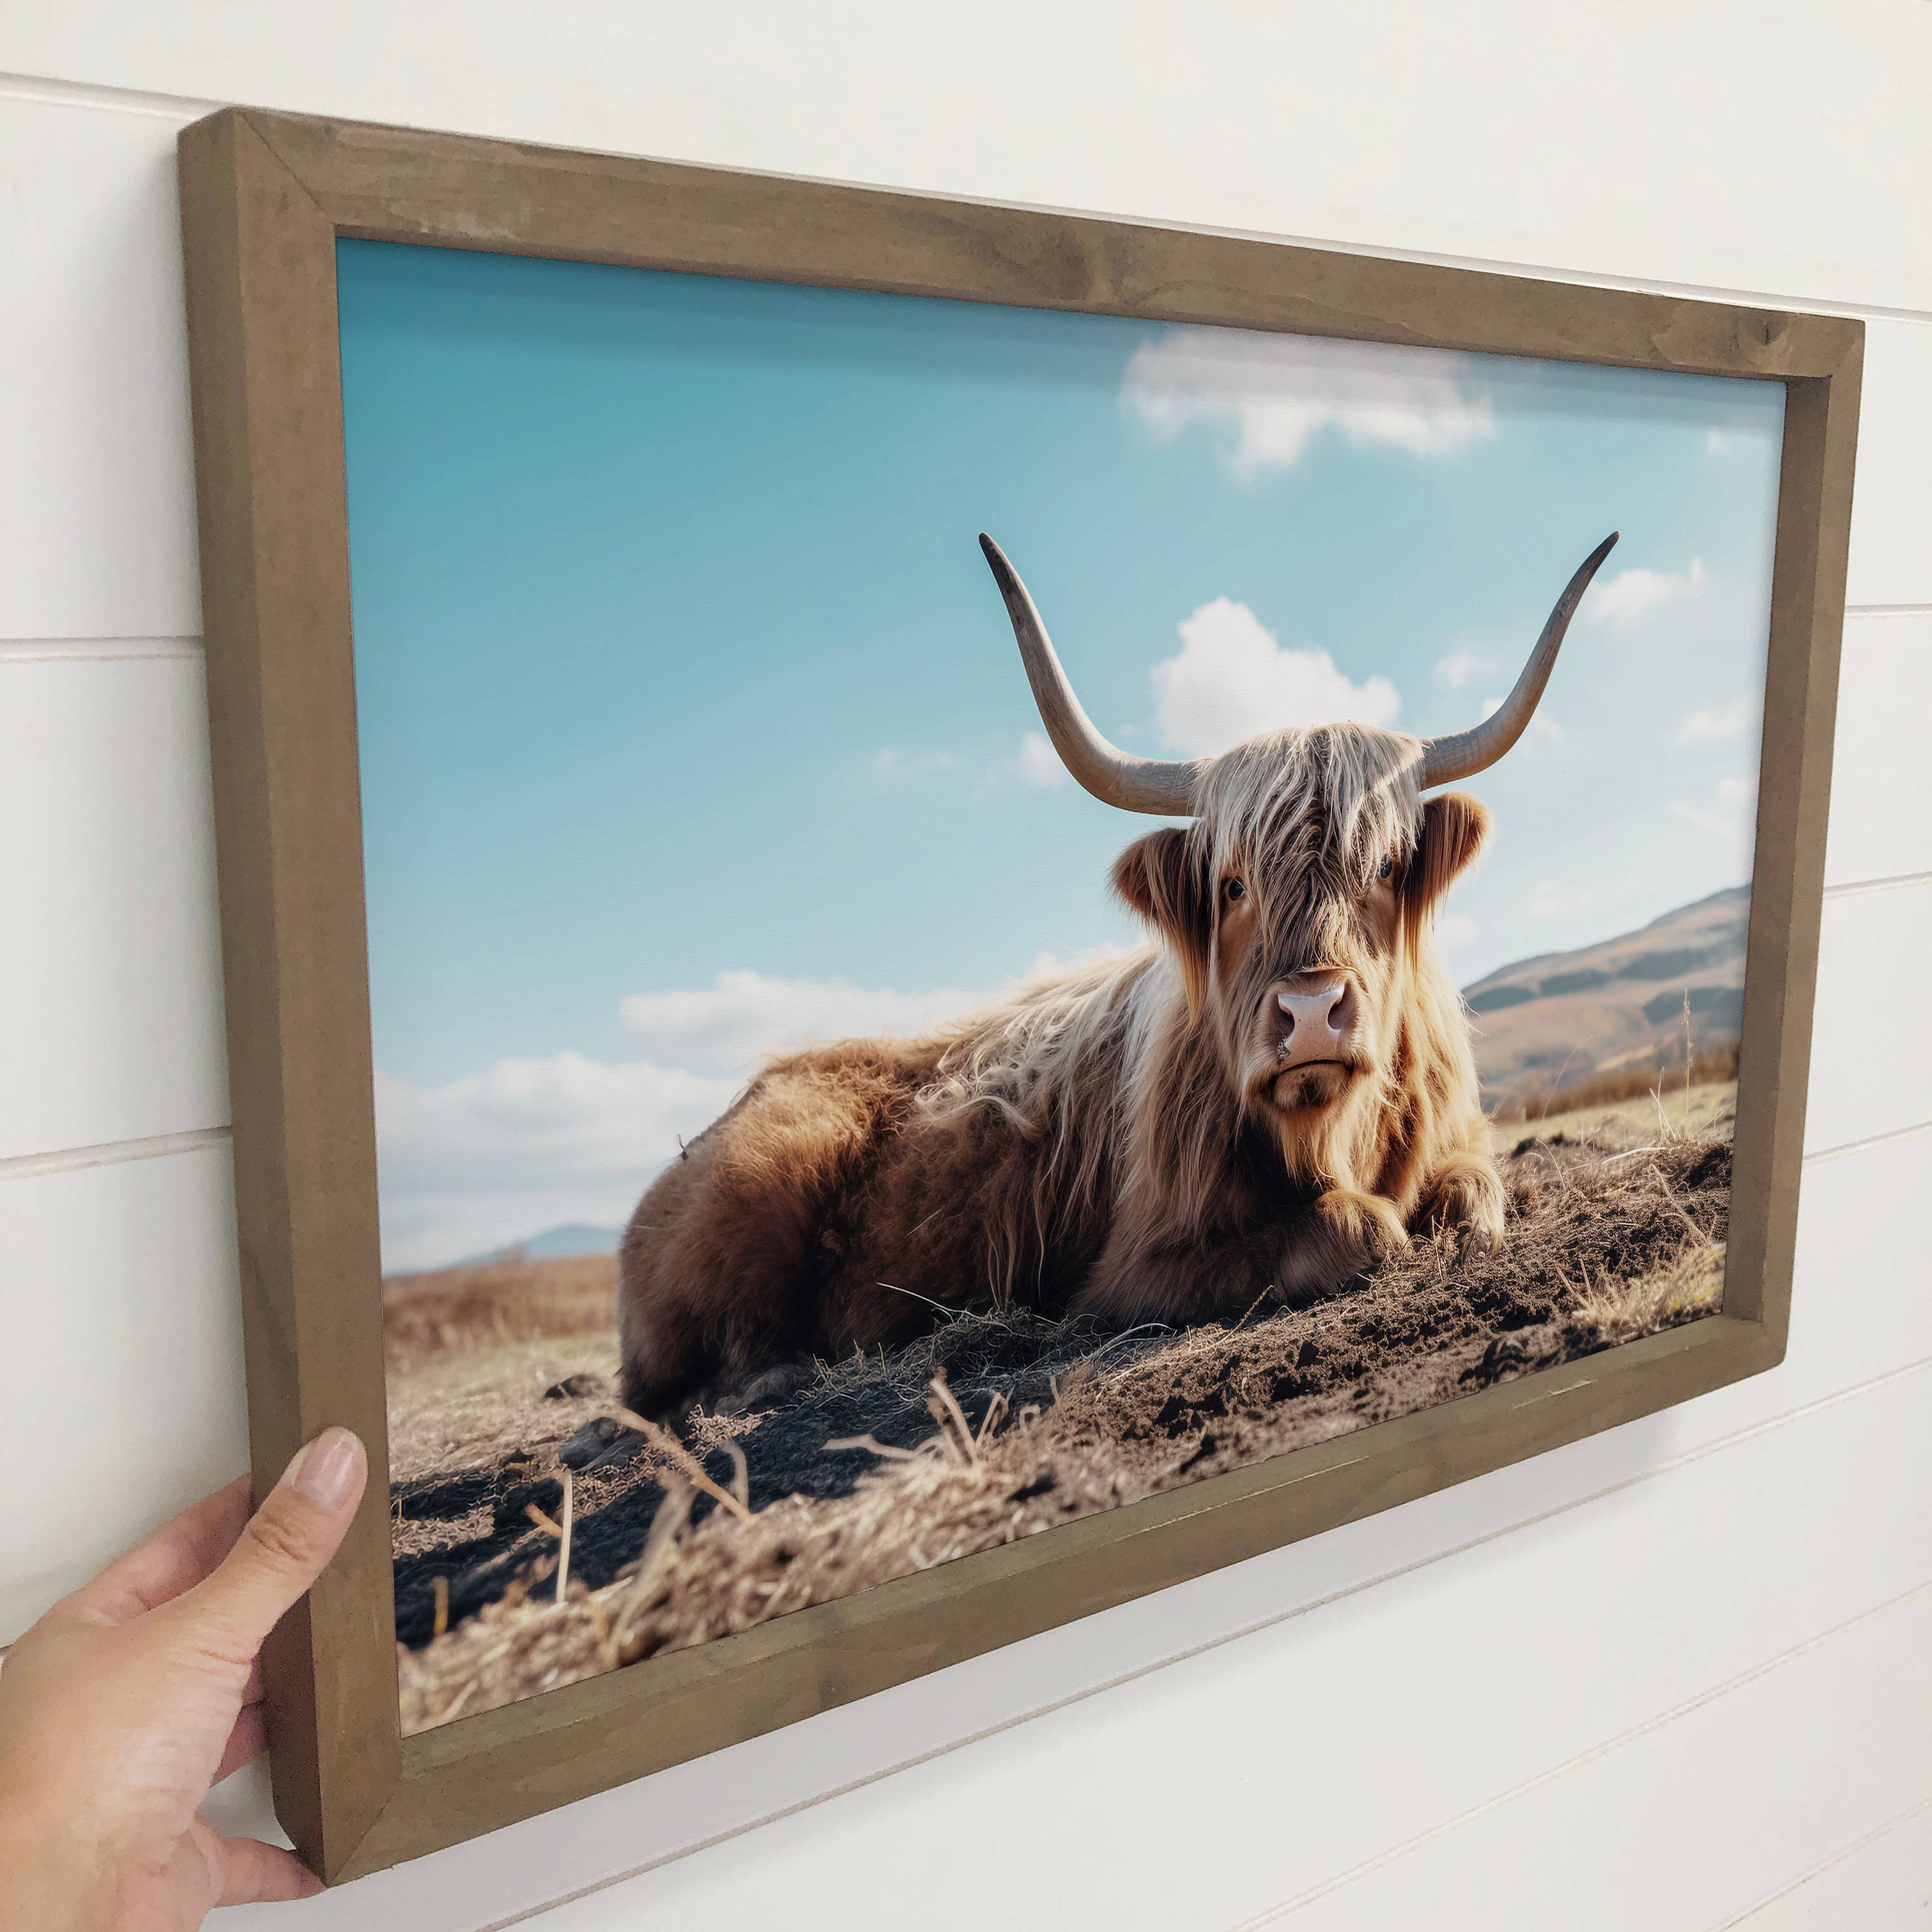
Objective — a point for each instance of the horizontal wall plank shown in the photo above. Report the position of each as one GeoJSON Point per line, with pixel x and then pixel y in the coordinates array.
{"type": "Point", "coordinates": [1871, 1036]}
{"type": "Point", "coordinates": [1233, 1782]}
{"type": "Point", "coordinates": [1860, 1311]}
{"type": "Point", "coordinates": [110, 983]}
{"type": "Point", "coordinates": [1890, 561]}
{"type": "Point", "coordinates": [1786, 1767]}
{"type": "Point", "coordinates": [96, 496]}
{"type": "Point", "coordinates": [124, 1363]}
{"type": "Point", "coordinates": [96, 535]}
{"type": "Point", "coordinates": [1323, 124]}
{"type": "Point", "coordinates": [1881, 825]}
{"type": "Point", "coordinates": [1883, 1885]}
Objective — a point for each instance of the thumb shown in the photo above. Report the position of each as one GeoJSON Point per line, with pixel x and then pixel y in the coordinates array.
{"type": "Point", "coordinates": [288, 1542]}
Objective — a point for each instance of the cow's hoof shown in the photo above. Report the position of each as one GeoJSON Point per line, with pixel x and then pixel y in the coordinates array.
{"type": "Point", "coordinates": [1466, 1208]}
{"type": "Point", "coordinates": [605, 1443]}
{"type": "Point", "coordinates": [767, 1389]}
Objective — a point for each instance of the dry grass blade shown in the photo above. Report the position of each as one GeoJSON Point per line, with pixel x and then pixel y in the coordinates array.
{"type": "Point", "coordinates": [441, 1586]}
{"type": "Point", "coordinates": [667, 1445]}
{"type": "Point", "coordinates": [546, 1524]}
{"type": "Point", "coordinates": [996, 1413]}
{"type": "Point", "coordinates": [454, 1708]}
{"type": "Point", "coordinates": [945, 1407]}
{"type": "Point", "coordinates": [877, 1448]}
{"type": "Point", "coordinates": [667, 1525]}
{"type": "Point", "coordinates": [600, 1629]}
{"type": "Point", "coordinates": [1684, 1214]}
{"type": "Point", "coordinates": [563, 1535]}
{"type": "Point", "coordinates": [741, 1471]}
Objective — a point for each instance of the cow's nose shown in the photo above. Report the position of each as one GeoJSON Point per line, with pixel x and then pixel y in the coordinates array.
{"type": "Point", "coordinates": [1318, 1024]}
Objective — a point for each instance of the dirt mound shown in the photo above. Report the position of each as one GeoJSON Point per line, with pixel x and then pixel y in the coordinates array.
{"type": "Point", "coordinates": [998, 1426]}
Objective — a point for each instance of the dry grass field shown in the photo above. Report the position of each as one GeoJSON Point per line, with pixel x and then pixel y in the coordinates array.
{"type": "Point", "coordinates": [993, 1427]}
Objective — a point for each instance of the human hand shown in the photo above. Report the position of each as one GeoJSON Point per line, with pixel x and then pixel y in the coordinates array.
{"type": "Point", "coordinates": [129, 1699]}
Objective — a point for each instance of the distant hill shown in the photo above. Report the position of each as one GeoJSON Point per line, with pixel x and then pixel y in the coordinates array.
{"type": "Point", "coordinates": [1618, 1004]}
{"type": "Point", "coordinates": [578, 1237]}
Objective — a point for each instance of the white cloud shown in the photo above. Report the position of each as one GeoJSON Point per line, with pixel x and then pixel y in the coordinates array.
{"type": "Point", "coordinates": [1725, 721]}
{"type": "Point", "coordinates": [732, 1024]}
{"type": "Point", "coordinates": [1631, 594]}
{"type": "Point", "coordinates": [1461, 667]}
{"type": "Point", "coordinates": [1705, 821]}
{"type": "Point", "coordinates": [1230, 680]}
{"type": "Point", "coordinates": [1038, 763]}
{"type": "Point", "coordinates": [469, 1166]}
{"type": "Point", "coordinates": [1455, 934]}
{"type": "Point", "coordinates": [478, 1163]}
{"type": "Point", "coordinates": [1277, 391]}
{"type": "Point", "coordinates": [1733, 822]}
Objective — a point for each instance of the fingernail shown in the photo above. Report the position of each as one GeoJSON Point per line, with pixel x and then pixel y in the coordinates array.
{"type": "Point", "coordinates": [329, 1470]}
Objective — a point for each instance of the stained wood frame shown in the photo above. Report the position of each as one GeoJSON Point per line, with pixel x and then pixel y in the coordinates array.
{"type": "Point", "coordinates": [264, 198]}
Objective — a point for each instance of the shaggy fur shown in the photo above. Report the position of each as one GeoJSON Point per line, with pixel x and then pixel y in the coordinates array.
{"type": "Point", "coordinates": [1125, 1141]}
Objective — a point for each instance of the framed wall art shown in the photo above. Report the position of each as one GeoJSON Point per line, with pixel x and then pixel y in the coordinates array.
{"type": "Point", "coordinates": [934, 914]}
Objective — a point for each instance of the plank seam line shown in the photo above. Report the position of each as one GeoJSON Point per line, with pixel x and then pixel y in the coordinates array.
{"type": "Point", "coordinates": [111, 1153]}
{"type": "Point", "coordinates": [781, 1813]}
{"type": "Point", "coordinates": [1891, 882]}
{"type": "Point", "coordinates": [81, 650]}
{"type": "Point", "coordinates": [1819, 1157]}
{"type": "Point", "coordinates": [155, 1147]}
{"type": "Point", "coordinates": [100, 95]}
{"type": "Point", "coordinates": [1764, 1667]}
{"type": "Point", "coordinates": [102, 98]}
{"type": "Point", "coordinates": [1825, 1865]}
{"type": "Point", "coordinates": [1888, 609]}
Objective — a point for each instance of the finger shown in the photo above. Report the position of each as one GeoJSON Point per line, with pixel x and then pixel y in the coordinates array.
{"type": "Point", "coordinates": [251, 1873]}
{"type": "Point", "coordinates": [175, 1559]}
{"type": "Point", "coordinates": [285, 1545]}
{"type": "Point", "coordinates": [246, 1742]}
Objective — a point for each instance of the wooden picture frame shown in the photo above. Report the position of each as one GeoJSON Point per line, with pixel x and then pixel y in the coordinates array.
{"type": "Point", "coordinates": [265, 197]}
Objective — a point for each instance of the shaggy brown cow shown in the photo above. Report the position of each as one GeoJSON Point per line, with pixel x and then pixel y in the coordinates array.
{"type": "Point", "coordinates": [1270, 1097]}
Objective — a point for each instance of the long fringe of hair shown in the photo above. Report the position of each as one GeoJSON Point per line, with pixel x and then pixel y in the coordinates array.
{"type": "Point", "coordinates": [1118, 1090]}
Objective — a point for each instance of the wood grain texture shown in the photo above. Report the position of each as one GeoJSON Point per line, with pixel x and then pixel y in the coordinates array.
{"type": "Point", "coordinates": [456, 191]}
{"type": "Point", "coordinates": [267, 388]}
{"type": "Point", "coordinates": [265, 198]}
{"type": "Point", "coordinates": [1801, 710]}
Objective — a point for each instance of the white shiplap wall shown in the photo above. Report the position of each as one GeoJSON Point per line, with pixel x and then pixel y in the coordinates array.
{"type": "Point", "coordinates": [1675, 1676]}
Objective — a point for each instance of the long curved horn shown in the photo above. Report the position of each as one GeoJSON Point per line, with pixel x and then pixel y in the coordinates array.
{"type": "Point", "coordinates": [1163, 786]}
{"type": "Point", "coordinates": [1465, 753]}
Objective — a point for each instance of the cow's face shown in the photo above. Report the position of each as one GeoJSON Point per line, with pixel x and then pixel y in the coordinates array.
{"type": "Point", "coordinates": [1297, 903]}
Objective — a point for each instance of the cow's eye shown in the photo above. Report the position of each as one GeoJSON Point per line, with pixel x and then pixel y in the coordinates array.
{"type": "Point", "coordinates": [1234, 889]}
{"type": "Point", "coordinates": [1388, 866]}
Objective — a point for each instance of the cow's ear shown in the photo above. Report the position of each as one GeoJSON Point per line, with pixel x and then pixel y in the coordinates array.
{"type": "Point", "coordinates": [1162, 878]}
{"type": "Point", "coordinates": [1455, 828]}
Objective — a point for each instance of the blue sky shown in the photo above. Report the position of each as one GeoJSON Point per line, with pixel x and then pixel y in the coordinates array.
{"type": "Point", "coordinates": [692, 723]}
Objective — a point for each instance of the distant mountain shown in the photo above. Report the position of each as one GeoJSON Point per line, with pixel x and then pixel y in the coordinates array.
{"type": "Point", "coordinates": [1618, 1004]}
{"type": "Point", "coordinates": [579, 1237]}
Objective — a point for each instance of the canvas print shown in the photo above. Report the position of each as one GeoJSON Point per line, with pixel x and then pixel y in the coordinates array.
{"type": "Point", "coordinates": [976, 914]}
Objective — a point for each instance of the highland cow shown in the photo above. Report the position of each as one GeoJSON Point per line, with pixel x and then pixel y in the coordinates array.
{"type": "Point", "coordinates": [1274, 1094]}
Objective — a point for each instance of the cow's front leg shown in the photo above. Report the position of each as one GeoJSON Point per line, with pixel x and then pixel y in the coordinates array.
{"type": "Point", "coordinates": [1342, 1234]}
{"type": "Point", "coordinates": [1464, 1199]}
{"type": "Point", "coordinates": [1194, 1279]}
